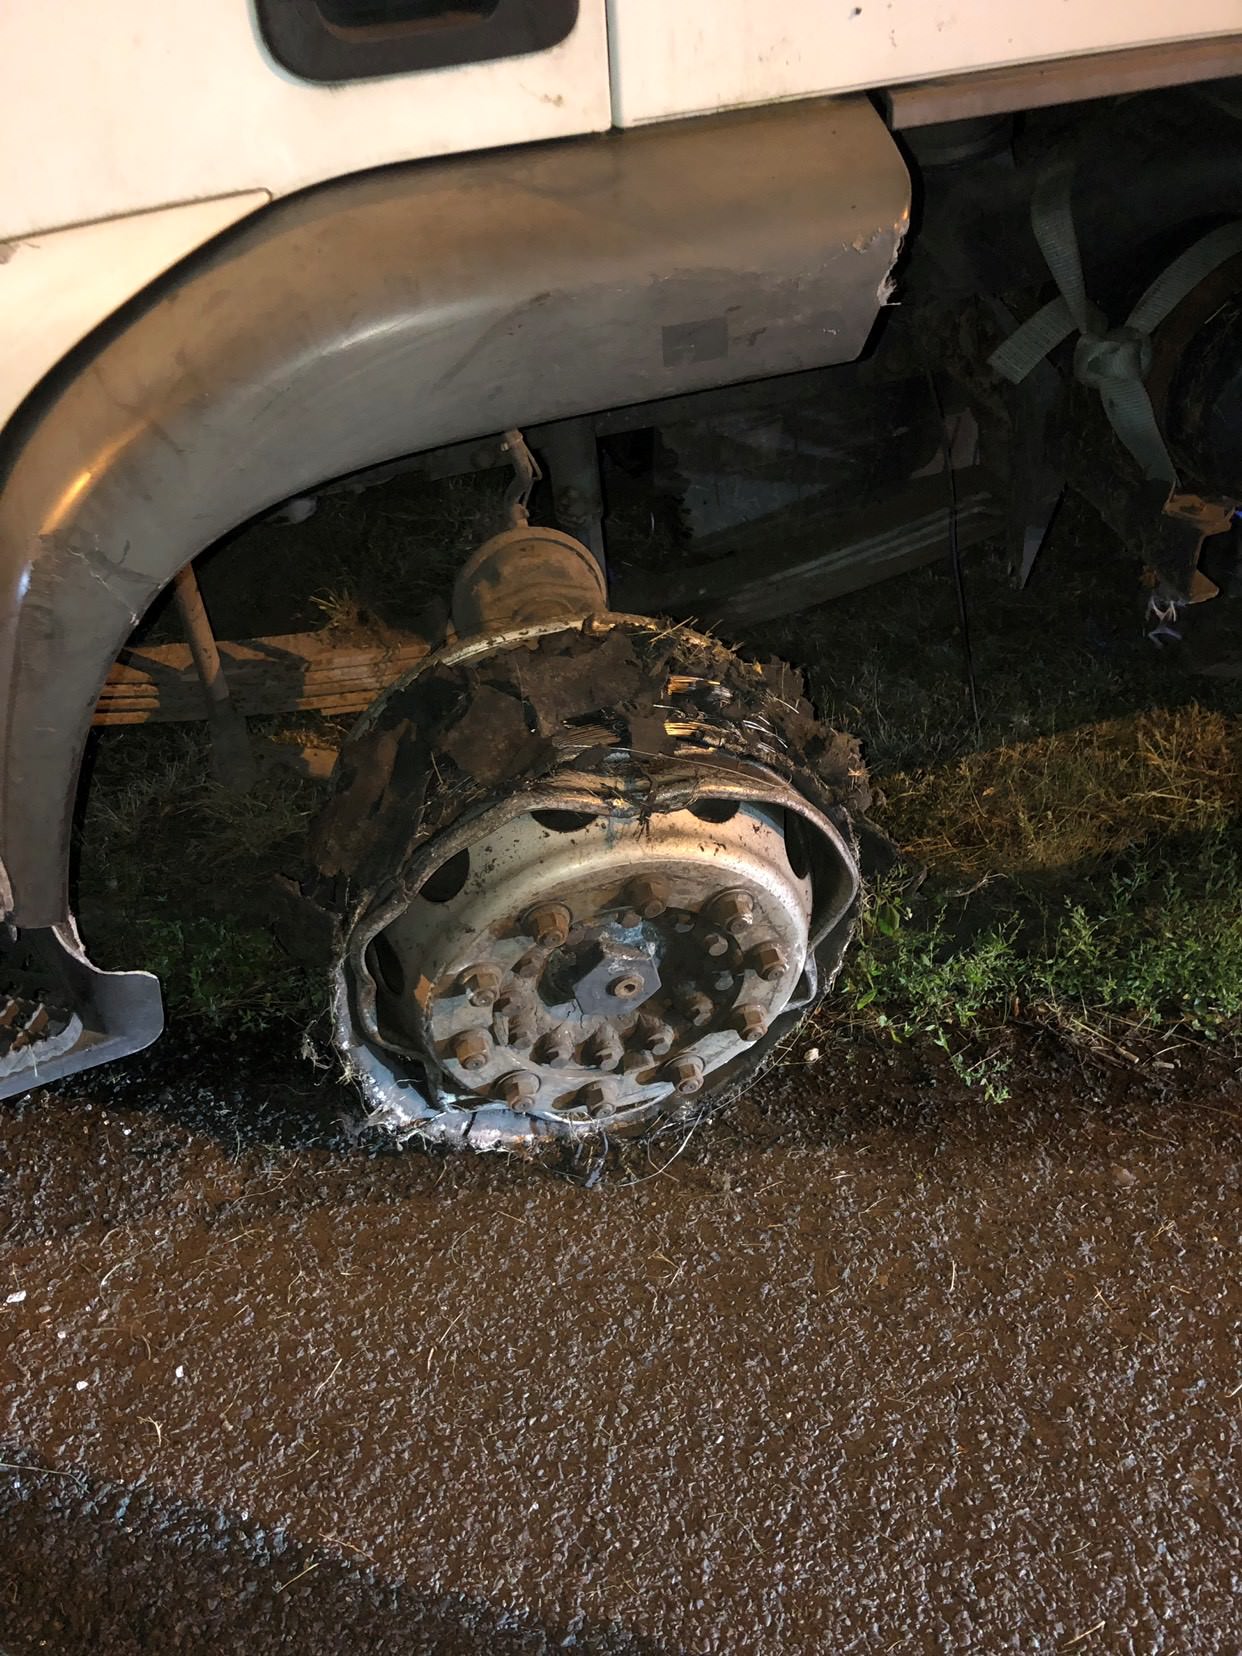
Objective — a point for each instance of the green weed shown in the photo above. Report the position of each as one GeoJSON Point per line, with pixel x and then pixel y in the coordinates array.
{"type": "Point", "coordinates": [1151, 945]}
{"type": "Point", "coordinates": [220, 974]}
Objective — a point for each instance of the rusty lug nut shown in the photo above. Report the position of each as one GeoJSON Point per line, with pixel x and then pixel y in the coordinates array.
{"type": "Point", "coordinates": [604, 1049]}
{"type": "Point", "coordinates": [529, 966]}
{"type": "Point", "coordinates": [649, 895]}
{"type": "Point", "coordinates": [686, 1074]}
{"type": "Point", "coordinates": [733, 910]}
{"type": "Point", "coordinates": [769, 961]}
{"type": "Point", "coordinates": [716, 944]}
{"type": "Point", "coordinates": [655, 1034]}
{"type": "Point", "coordinates": [472, 1049]}
{"type": "Point", "coordinates": [596, 1097]}
{"type": "Point", "coordinates": [505, 1015]}
{"type": "Point", "coordinates": [517, 1089]}
{"type": "Point", "coordinates": [521, 1029]}
{"type": "Point", "coordinates": [750, 1022]}
{"type": "Point", "coordinates": [626, 987]}
{"type": "Point", "coordinates": [696, 1007]}
{"type": "Point", "coordinates": [481, 984]}
{"type": "Point", "coordinates": [556, 1049]}
{"type": "Point", "coordinates": [548, 924]}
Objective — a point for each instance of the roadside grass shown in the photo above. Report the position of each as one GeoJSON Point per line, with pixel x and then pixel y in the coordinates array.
{"type": "Point", "coordinates": [1071, 862]}
{"type": "Point", "coordinates": [1144, 951]}
{"type": "Point", "coordinates": [172, 876]}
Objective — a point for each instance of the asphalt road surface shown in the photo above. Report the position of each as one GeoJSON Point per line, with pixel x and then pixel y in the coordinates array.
{"type": "Point", "coordinates": [870, 1365]}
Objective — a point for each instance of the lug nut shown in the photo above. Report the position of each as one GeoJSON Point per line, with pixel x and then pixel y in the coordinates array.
{"type": "Point", "coordinates": [505, 1015]}
{"type": "Point", "coordinates": [529, 966]}
{"type": "Point", "coordinates": [648, 895]}
{"type": "Point", "coordinates": [696, 1007]}
{"type": "Point", "coordinates": [518, 1089]}
{"type": "Point", "coordinates": [750, 1022]}
{"type": "Point", "coordinates": [472, 1049]}
{"type": "Point", "coordinates": [655, 1034]}
{"type": "Point", "coordinates": [557, 1048]}
{"type": "Point", "coordinates": [716, 944]}
{"type": "Point", "coordinates": [686, 1074]}
{"type": "Point", "coordinates": [769, 961]}
{"type": "Point", "coordinates": [521, 1029]}
{"type": "Point", "coordinates": [481, 984]}
{"type": "Point", "coordinates": [548, 924]}
{"type": "Point", "coordinates": [604, 1050]}
{"type": "Point", "coordinates": [596, 1097]}
{"type": "Point", "coordinates": [733, 910]}
{"type": "Point", "coordinates": [626, 987]}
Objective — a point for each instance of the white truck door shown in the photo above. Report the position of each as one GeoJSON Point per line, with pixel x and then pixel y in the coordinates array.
{"type": "Point", "coordinates": [684, 57]}
{"type": "Point", "coordinates": [142, 104]}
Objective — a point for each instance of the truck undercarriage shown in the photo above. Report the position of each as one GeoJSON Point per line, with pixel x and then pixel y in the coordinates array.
{"type": "Point", "coordinates": [581, 866]}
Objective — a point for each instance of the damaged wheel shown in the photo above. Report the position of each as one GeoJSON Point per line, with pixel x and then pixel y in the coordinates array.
{"type": "Point", "coordinates": [584, 870]}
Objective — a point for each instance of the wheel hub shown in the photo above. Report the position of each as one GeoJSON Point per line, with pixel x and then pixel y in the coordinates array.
{"type": "Point", "coordinates": [581, 873]}
{"type": "Point", "coordinates": [682, 940]}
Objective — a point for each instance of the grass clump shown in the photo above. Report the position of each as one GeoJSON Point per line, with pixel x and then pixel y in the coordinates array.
{"type": "Point", "coordinates": [1148, 945]}
{"type": "Point", "coordinates": [219, 974]}
{"type": "Point", "coordinates": [1074, 795]}
{"type": "Point", "coordinates": [173, 875]}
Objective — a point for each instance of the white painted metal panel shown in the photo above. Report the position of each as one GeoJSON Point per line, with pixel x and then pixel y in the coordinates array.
{"type": "Point", "coordinates": [56, 286]}
{"type": "Point", "coordinates": [681, 57]}
{"type": "Point", "coordinates": [116, 107]}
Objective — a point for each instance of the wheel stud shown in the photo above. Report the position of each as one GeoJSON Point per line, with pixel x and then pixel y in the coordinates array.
{"type": "Point", "coordinates": [654, 1034]}
{"type": "Point", "coordinates": [548, 924]}
{"type": "Point", "coordinates": [638, 1063]}
{"type": "Point", "coordinates": [686, 1074]}
{"type": "Point", "coordinates": [750, 1022]}
{"type": "Point", "coordinates": [556, 1048]}
{"type": "Point", "coordinates": [604, 1049]}
{"type": "Point", "coordinates": [472, 1049]}
{"type": "Point", "coordinates": [769, 961]}
{"type": "Point", "coordinates": [733, 910]}
{"type": "Point", "coordinates": [505, 1016]}
{"type": "Point", "coordinates": [521, 1029]}
{"type": "Point", "coordinates": [648, 895]}
{"type": "Point", "coordinates": [518, 1089]}
{"type": "Point", "coordinates": [696, 1007]}
{"type": "Point", "coordinates": [596, 1097]}
{"type": "Point", "coordinates": [481, 984]}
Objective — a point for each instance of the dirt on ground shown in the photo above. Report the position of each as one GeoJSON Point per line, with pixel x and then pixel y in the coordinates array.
{"type": "Point", "coordinates": [867, 1364]}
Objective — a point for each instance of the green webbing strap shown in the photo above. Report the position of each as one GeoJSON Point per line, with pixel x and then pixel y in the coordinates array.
{"type": "Point", "coordinates": [1115, 361]}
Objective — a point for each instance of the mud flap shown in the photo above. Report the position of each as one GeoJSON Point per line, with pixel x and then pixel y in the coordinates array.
{"type": "Point", "coordinates": [59, 1013]}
